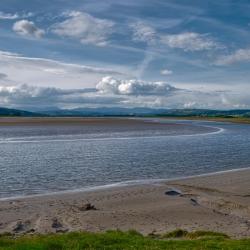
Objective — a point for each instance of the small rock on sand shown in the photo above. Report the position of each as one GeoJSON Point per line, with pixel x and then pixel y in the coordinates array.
{"type": "Point", "coordinates": [87, 207]}
{"type": "Point", "coordinates": [194, 201]}
{"type": "Point", "coordinates": [56, 223]}
{"type": "Point", "coordinates": [21, 226]}
{"type": "Point", "coordinates": [173, 192]}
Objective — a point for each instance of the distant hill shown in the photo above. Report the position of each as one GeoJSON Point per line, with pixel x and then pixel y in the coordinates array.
{"type": "Point", "coordinates": [207, 113]}
{"type": "Point", "coordinates": [148, 112]}
{"type": "Point", "coordinates": [104, 112]}
{"type": "Point", "coordinates": [17, 112]}
{"type": "Point", "coordinates": [137, 112]}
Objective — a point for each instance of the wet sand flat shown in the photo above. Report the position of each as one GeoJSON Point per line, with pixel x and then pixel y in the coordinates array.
{"type": "Point", "coordinates": [68, 120]}
{"type": "Point", "coordinates": [97, 124]}
{"type": "Point", "coordinates": [219, 202]}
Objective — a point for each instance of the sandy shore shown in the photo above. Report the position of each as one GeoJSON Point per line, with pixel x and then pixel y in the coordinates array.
{"type": "Point", "coordinates": [219, 202]}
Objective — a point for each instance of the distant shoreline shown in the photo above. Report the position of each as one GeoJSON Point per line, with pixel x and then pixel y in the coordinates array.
{"type": "Point", "coordinates": [213, 119]}
{"type": "Point", "coordinates": [16, 120]}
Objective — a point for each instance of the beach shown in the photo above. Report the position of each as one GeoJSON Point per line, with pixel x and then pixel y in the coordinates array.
{"type": "Point", "coordinates": [217, 202]}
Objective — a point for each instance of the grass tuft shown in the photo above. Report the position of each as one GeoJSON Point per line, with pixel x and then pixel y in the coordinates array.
{"type": "Point", "coordinates": [202, 234]}
{"type": "Point", "coordinates": [178, 233]}
{"type": "Point", "coordinates": [118, 240]}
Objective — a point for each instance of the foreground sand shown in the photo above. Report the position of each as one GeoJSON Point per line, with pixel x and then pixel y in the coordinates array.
{"type": "Point", "coordinates": [219, 202]}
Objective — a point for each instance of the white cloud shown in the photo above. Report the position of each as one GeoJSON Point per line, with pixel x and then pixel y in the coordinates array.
{"type": "Point", "coordinates": [8, 16]}
{"type": "Point", "coordinates": [133, 87]}
{"type": "Point", "coordinates": [33, 97]}
{"type": "Point", "coordinates": [11, 16]}
{"type": "Point", "coordinates": [143, 32]}
{"type": "Point", "coordinates": [86, 28]}
{"type": "Point", "coordinates": [189, 41]}
{"type": "Point", "coordinates": [189, 105]}
{"type": "Point", "coordinates": [28, 28]}
{"type": "Point", "coordinates": [162, 95]}
{"type": "Point", "coordinates": [119, 93]}
{"type": "Point", "coordinates": [45, 72]}
{"type": "Point", "coordinates": [166, 72]}
{"type": "Point", "coordinates": [240, 55]}
{"type": "Point", "coordinates": [8, 54]}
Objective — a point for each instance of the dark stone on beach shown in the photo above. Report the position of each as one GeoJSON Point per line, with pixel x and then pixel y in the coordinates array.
{"type": "Point", "coordinates": [32, 230]}
{"type": "Point", "coordinates": [87, 207]}
{"type": "Point", "coordinates": [194, 201]}
{"type": "Point", "coordinates": [173, 192]}
{"type": "Point", "coordinates": [21, 227]}
{"type": "Point", "coordinates": [56, 223]}
{"type": "Point", "coordinates": [247, 223]}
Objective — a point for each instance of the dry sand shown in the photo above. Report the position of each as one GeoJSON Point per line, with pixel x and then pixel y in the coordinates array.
{"type": "Point", "coordinates": [219, 202]}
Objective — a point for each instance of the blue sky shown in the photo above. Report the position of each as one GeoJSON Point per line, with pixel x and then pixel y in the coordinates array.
{"type": "Point", "coordinates": [161, 53]}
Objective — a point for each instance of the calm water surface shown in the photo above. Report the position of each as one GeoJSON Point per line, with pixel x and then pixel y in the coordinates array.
{"type": "Point", "coordinates": [44, 159]}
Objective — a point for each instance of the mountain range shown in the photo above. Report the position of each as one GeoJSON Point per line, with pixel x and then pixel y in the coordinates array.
{"type": "Point", "coordinates": [98, 112]}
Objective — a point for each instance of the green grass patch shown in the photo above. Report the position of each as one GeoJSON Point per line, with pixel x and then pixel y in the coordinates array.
{"type": "Point", "coordinates": [179, 233]}
{"type": "Point", "coordinates": [117, 240]}
{"type": "Point", "coordinates": [206, 234]}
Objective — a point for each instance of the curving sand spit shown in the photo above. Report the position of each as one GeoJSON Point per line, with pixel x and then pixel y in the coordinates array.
{"type": "Point", "coordinates": [219, 202]}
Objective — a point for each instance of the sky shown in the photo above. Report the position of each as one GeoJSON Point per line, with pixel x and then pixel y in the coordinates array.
{"type": "Point", "coordinates": [144, 53]}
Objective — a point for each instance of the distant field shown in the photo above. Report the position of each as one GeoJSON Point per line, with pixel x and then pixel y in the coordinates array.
{"type": "Point", "coordinates": [78, 120]}
{"type": "Point", "coordinates": [115, 240]}
{"type": "Point", "coordinates": [218, 119]}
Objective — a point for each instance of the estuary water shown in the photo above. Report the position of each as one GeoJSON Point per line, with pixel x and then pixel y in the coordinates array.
{"type": "Point", "coordinates": [40, 159]}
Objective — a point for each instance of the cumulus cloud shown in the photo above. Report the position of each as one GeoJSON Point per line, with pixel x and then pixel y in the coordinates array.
{"type": "Point", "coordinates": [86, 28]}
{"type": "Point", "coordinates": [240, 55]}
{"type": "Point", "coordinates": [31, 97]}
{"type": "Point", "coordinates": [162, 95]}
{"type": "Point", "coordinates": [119, 93]}
{"type": "Point", "coordinates": [28, 28]}
{"type": "Point", "coordinates": [166, 72]}
{"type": "Point", "coordinates": [189, 41]}
{"type": "Point", "coordinates": [133, 87]}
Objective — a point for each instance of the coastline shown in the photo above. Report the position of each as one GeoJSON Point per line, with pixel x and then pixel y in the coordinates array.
{"type": "Point", "coordinates": [216, 201]}
{"type": "Point", "coordinates": [57, 120]}
{"type": "Point", "coordinates": [122, 184]}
